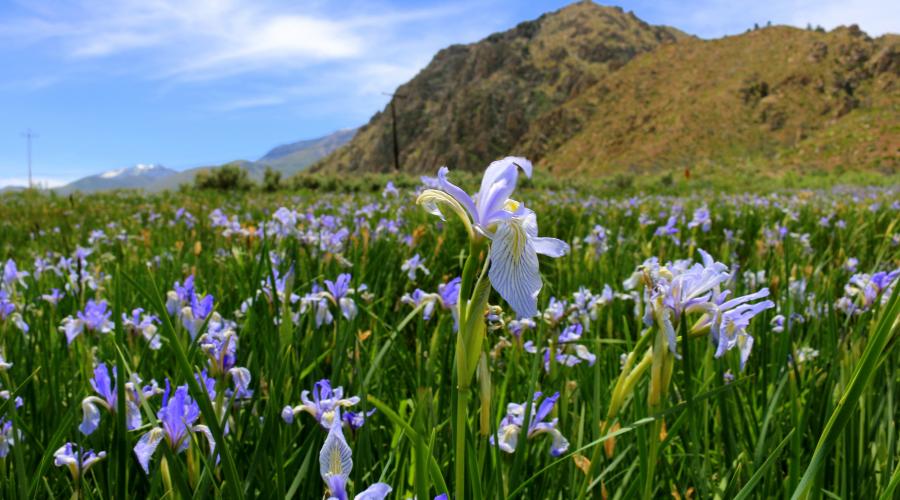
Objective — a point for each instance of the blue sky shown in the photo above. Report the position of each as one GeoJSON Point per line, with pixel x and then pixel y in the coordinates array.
{"type": "Point", "coordinates": [183, 83]}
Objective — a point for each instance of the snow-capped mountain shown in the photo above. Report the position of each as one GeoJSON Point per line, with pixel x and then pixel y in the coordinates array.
{"type": "Point", "coordinates": [135, 177]}
{"type": "Point", "coordinates": [148, 170]}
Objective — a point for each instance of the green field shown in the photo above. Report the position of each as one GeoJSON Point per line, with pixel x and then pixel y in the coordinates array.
{"type": "Point", "coordinates": [653, 400]}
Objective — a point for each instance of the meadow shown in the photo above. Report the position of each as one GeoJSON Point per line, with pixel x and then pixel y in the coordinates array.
{"type": "Point", "coordinates": [205, 344]}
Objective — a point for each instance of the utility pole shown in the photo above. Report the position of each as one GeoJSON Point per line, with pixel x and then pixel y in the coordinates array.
{"type": "Point", "coordinates": [29, 135]}
{"type": "Point", "coordinates": [394, 129]}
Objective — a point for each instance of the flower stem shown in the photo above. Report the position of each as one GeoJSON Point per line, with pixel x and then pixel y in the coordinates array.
{"type": "Point", "coordinates": [462, 406]}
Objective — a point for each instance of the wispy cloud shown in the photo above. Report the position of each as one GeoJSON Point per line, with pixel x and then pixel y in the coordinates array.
{"type": "Point", "coordinates": [249, 54]}
{"type": "Point", "coordinates": [210, 39]}
{"type": "Point", "coordinates": [251, 102]}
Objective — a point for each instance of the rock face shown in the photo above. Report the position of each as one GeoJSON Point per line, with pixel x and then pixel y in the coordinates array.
{"type": "Point", "coordinates": [475, 102]}
{"type": "Point", "coordinates": [591, 90]}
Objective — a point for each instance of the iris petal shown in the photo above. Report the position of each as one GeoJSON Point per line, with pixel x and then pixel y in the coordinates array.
{"type": "Point", "coordinates": [91, 419]}
{"type": "Point", "coordinates": [456, 192]}
{"type": "Point", "coordinates": [514, 268]}
{"type": "Point", "coordinates": [550, 247]}
{"type": "Point", "coordinates": [377, 491]}
{"type": "Point", "coordinates": [335, 459]}
{"type": "Point", "coordinates": [146, 446]}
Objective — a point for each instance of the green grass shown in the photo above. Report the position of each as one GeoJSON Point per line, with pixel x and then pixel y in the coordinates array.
{"type": "Point", "coordinates": [825, 427]}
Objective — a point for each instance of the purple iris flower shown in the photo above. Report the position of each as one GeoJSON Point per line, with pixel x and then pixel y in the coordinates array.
{"type": "Point", "coordinates": [338, 293]}
{"type": "Point", "coordinates": [512, 229]}
{"type": "Point", "coordinates": [413, 265]}
{"type": "Point", "coordinates": [669, 229]}
{"type": "Point", "coordinates": [108, 397]}
{"type": "Point", "coordinates": [220, 347]}
{"type": "Point", "coordinates": [447, 296]}
{"type": "Point", "coordinates": [54, 296]}
{"type": "Point", "coordinates": [598, 239]}
{"type": "Point", "coordinates": [194, 316]}
{"type": "Point", "coordinates": [862, 291]}
{"type": "Point", "coordinates": [339, 287]}
{"type": "Point", "coordinates": [7, 307]}
{"type": "Point", "coordinates": [510, 428]}
{"type": "Point", "coordinates": [357, 420]}
{"type": "Point", "coordinates": [8, 436]}
{"type": "Point", "coordinates": [177, 419]}
{"type": "Point", "coordinates": [569, 351]}
{"type": "Point", "coordinates": [12, 275]}
{"type": "Point", "coordinates": [180, 296]}
{"type": "Point", "coordinates": [449, 292]}
{"type": "Point", "coordinates": [336, 463]}
{"type": "Point", "coordinates": [390, 191]}
{"type": "Point", "coordinates": [701, 219]}
{"type": "Point", "coordinates": [77, 463]}
{"type": "Point", "coordinates": [418, 298]}
{"type": "Point", "coordinates": [94, 318]}
{"type": "Point", "coordinates": [733, 319]}
{"type": "Point", "coordinates": [324, 406]}
{"type": "Point", "coordinates": [144, 325]}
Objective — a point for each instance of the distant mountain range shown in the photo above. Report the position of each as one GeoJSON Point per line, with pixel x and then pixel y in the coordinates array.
{"type": "Point", "coordinates": [593, 91]}
{"type": "Point", "coordinates": [287, 159]}
{"type": "Point", "coordinates": [136, 177]}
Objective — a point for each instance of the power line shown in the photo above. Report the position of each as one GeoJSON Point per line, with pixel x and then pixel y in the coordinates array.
{"type": "Point", "coordinates": [29, 135]}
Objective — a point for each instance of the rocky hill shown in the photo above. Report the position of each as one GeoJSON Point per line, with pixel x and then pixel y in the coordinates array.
{"type": "Point", "coordinates": [476, 102]}
{"type": "Point", "coordinates": [592, 90]}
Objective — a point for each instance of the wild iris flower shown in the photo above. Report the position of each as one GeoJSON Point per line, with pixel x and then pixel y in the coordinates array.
{"type": "Point", "coordinates": [94, 318]}
{"type": "Point", "coordinates": [12, 275]}
{"type": "Point", "coordinates": [143, 325]}
{"type": "Point", "coordinates": [684, 288]}
{"type": "Point", "coordinates": [862, 290]}
{"type": "Point", "coordinates": [701, 219]}
{"type": "Point", "coordinates": [180, 296]}
{"type": "Point", "coordinates": [53, 297]}
{"type": "Point", "coordinates": [177, 419]}
{"type": "Point", "coordinates": [447, 296]}
{"type": "Point", "coordinates": [324, 406]}
{"type": "Point", "coordinates": [337, 292]}
{"type": "Point", "coordinates": [510, 428]}
{"type": "Point", "coordinates": [510, 226]}
{"type": "Point", "coordinates": [8, 311]}
{"type": "Point", "coordinates": [8, 437]}
{"type": "Point", "coordinates": [569, 352]}
{"type": "Point", "coordinates": [78, 463]}
{"type": "Point", "coordinates": [335, 464]}
{"type": "Point", "coordinates": [193, 316]}
{"type": "Point", "coordinates": [413, 265]}
{"type": "Point", "coordinates": [108, 397]}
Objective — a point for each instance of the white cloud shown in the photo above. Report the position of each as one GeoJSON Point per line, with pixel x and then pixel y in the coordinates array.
{"type": "Point", "coordinates": [209, 39]}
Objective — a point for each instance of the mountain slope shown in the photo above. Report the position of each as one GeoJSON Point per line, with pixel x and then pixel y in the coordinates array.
{"type": "Point", "coordinates": [774, 97]}
{"type": "Point", "coordinates": [307, 151]}
{"type": "Point", "coordinates": [136, 177]}
{"type": "Point", "coordinates": [474, 102]}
